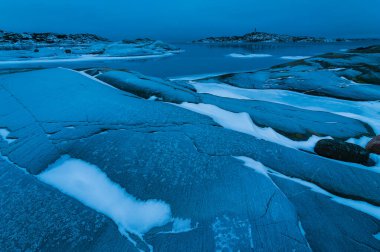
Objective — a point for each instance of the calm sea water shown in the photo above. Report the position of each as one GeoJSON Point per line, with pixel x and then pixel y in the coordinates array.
{"type": "Point", "coordinates": [204, 59]}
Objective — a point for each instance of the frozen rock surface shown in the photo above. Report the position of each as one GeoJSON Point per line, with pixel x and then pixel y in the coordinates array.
{"type": "Point", "coordinates": [217, 183]}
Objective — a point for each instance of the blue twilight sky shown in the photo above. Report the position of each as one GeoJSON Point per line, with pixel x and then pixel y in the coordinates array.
{"type": "Point", "coordinates": [180, 20]}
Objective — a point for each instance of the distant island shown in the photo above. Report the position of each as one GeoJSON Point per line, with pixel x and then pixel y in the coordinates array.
{"type": "Point", "coordinates": [48, 45]}
{"type": "Point", "coordinates": [26, 38]}
{"type": "Point", "coordinates": [255, 37]}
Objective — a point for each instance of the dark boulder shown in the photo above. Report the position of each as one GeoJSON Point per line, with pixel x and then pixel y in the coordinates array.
{"type": "Point", "coordinates": [67, 50]}
{"type": "Point", "coordinates": [343, 151]}
{"type": "Point", "coordinates": [36, 50]}
{"type": "Point", "coordinates": [374, 145]}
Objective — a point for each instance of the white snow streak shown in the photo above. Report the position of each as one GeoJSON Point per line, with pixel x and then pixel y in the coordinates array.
{"type": "Point", "coordinates": [91, 186]}
{"type": "Point", "coordinates": [242, 122]}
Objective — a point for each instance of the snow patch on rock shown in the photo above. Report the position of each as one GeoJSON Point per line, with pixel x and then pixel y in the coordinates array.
{"type": "Point", "coordinates": [91, 186]}
{"type": "Point", "coordinates": [4, 134]}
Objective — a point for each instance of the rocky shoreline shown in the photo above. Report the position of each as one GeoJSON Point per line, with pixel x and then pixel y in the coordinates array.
{"type": "Point", "coordinates": [105, 160]}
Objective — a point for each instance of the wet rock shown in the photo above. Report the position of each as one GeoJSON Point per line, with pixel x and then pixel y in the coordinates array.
{"type": "Point", "coordinates": [374, 145]}
{"type": "Point", "coordinates": [343, 151]}
{"type": "Point", "coordinates": [67, 50]}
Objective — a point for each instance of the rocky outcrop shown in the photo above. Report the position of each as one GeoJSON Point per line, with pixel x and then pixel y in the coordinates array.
{"type": "Point", "coordinates": [374, 145]}
{"type": "Point", "coordinates": [343, 151]}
